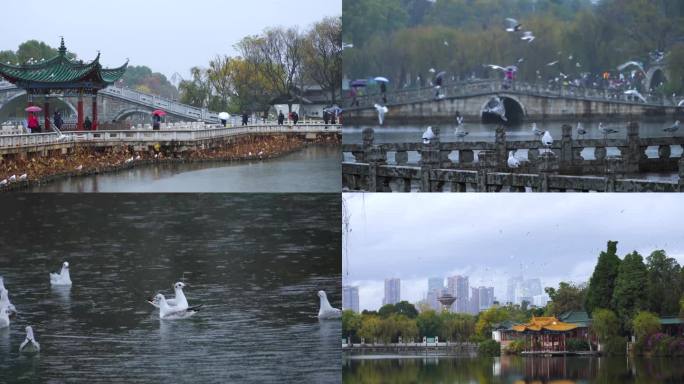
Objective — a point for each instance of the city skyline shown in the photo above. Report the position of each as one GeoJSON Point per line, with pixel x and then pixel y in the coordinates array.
{"type": "Point", "coordinates": [448, 235]}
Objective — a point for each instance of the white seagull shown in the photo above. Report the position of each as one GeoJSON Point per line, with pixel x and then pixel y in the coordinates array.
{"type": "Point", "coordinates": [673, 128]}
{"type": "Point", "coordinates": [606, 131]}
{"type": "Point", "coordinates": [167, 312]}
{"type": "Point", "coordinates": [552, 63]}
{"type": "Point", "coordinates": [5, 301]}
{"type": "Point", "coordinates": [179, 302]}
{"type": "Point", "coordinates": [631, 63]}
{"type": "Point", "coordinates": [513, 161]}
{"type": "Point", "coordinates": [428, 135]}
{"type": "Point", "coordinates": [546, 139]}
{"type": "Point", "coordinates": [80, 167]}
{"type": "Point", "coordinates": [3, 182]}
{"type": "Point", "coordinates": [528, 36]}
{"type": "Point", "coordinates": [634, 92]}
{"type": "Point", "coordinates": [536, 131]}
{"type": "Point", "coordinates": [512, 25]}
{"type": "Point", "coordinates": [381, 112]}
{"type": "Point", "coordinates": [13, 178]}
{"type": "Point", "coordinates": [4, 317]}
{"type": "Point", "coordinates": [23, 177]}
{"type": "Point", "coordinates": [327, 311]}
{"type": "Point", "coordinates": [461, 133]}
{"type": "Point", "coordinates": [61, 278]}
{"type": "Point", "coordinates": [580, 130]}
{"type": "Point", "coordinates": [30, 345]}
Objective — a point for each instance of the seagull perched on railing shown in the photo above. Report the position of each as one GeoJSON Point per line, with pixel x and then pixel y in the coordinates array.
{"type": "Point", "coordinates": [23, 177]}
{"type": "Point", "coordinates": [513, 161]}
{"type": "Point", "coordinates": [12, 178]}
{"type": "Point", "coordinates": [536, 131]}
{"type": "Point", "coordinates": [428, 135]}
{"type": "Point", "coordinates": [547, 140]}
{"type": "Point", "coordinates": [606, 131]}
{"type": "Point", "coordinates": [673, 128]}
{"type": "Point", "coordinates": [580, 130]}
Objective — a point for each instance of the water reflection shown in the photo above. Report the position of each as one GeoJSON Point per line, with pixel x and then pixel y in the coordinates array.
{"type": "Point", "coordinates": [254, 262]}
{"type": "Point", "coordinates": [512, 369]}
{"type": "Point", "coordinates": [312, 169]}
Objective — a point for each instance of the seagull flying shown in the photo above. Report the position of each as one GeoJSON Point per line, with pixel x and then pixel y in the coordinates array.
{"type": "Point", "coordinates": [528, 36]}
{"type": "Point", "coordinates": [631, 63]}
{"type": "Point", "coordinates": [512, 25]}
{"type": "Point", "coordinates": [30, 345]}
{"type": "Point", "coordinates": [552, 63]}
{"type": "Point", "coordinates": [327, 311]}
{"type": "Point", "coordinates": [634, 92]}
{"type": "Point", "coordinates": [61, 278]}
{"type": "Point", "coordinates": [382, 110]}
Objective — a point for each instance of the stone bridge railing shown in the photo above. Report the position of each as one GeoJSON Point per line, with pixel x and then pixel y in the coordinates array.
{"type": "Point", "coordinates": [484, 87]}
{"type": "Point", "coordinates": [17, 143]}
{"type": "Point", "coordinates": [148, 101]}
{"type": "Point", "coordinates": [559, 167]}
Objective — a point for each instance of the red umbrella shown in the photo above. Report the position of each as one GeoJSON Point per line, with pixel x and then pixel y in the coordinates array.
{"type": "Point", "coordinates": [33, 108]}
{"type": "Point", "coordinates": [159, 112]}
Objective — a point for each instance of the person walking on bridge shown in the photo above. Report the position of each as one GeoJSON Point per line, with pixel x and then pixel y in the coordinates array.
{"type": "Point", "coordinates": [87, 124]}
{"type": "Point", "coordinates": [281, 117]}
{"type": "Point", "coordinates": [33, 124]}
{"type": "Point", "coordinates": [57, 120]}
{"type": "Point", "coordinates": [245, 118]}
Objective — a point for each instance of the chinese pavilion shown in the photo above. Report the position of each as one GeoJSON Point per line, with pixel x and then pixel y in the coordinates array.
{"type": "Point", "coordinates": [62, 77]}
{"type": "Point", "coordinates": [548, 333]}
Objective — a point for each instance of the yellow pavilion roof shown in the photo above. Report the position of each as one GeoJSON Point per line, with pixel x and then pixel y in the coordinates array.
{"type": "Point", "coordinates": [548, 323]}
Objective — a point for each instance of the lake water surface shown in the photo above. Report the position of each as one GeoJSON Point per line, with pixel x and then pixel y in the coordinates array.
{"type": "Point", "coordinates": [312, 169]}
{"type": "Point", "coordinates": [511, 370]}
{"type": "Point", "coordinates": [255, 263]}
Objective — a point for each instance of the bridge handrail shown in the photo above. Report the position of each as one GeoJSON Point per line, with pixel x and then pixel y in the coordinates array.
{"type": "Point", "coordinates": [26, 140]}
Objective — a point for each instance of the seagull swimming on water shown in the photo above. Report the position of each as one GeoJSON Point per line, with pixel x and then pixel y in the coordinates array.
{"type": "Point", "coordinates": [61, 278]}
{"type": "Point", "coordinates": [30, 345]}
{"type": "Point", "coordinates": [382, 110]}
{"type": "Point", "coordinates": [5, 301]}
{"type": "Point", "coordinates": [327, 311]}
{"type": "Point", "coordinates": [179, 302]}
{"type": "Point", "coordinates": [167, 312]}
{"type": "Point", "coordinates": [4, 317]}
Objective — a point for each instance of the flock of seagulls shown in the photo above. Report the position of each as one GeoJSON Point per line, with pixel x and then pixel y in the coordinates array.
{"type": "Point", "coordinates": [169, 309]}
{"type": "Point", "coordinates": [13, 179]}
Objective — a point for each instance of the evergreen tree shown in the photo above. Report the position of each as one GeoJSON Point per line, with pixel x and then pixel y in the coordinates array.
{"type": "Point", "coordinates": [663, 286]}
{"type": "Point", "coordinates": [602, 282]}
{"type": "Point", "coordinates": [629, 295]}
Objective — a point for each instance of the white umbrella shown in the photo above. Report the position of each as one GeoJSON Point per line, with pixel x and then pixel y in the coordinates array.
{"type": "Point", "coordinates": [224, 116]}
{"type": "Point", "coordinates": [381, 79]}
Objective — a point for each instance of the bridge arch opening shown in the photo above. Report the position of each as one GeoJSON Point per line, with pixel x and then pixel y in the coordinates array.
{"type": "Point", "coordinates": [657, 79]}
{"type": "Point", "coordinates": [513, 111]}
{"type": "Point", "coordinates": [13, 109]}
{"type": "Point", "coordinates": [135, 116]}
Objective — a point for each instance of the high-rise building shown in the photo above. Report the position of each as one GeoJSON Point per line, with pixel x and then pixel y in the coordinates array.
{"type": "Point", "coordinates": [457, 286]}
{"type": "Point", "coordinates": [512, 289]}
{"type": "Point", "coordinates": [392, 291]}
{"type": "Point", "coordinates": [532, 287]}
{"type": "Point", "coordinates": [486, 298]}
{"type": "Point", "coordinates": [350, 298]}
{"type": "Point", "coordinates": [474, 300]}
{"type": "Point", "coordinates": [435, 283]}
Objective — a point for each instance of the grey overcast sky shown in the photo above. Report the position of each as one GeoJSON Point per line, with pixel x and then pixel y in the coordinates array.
{"type": "Point", "coordinates": [166, 35]}
{"type": "Point", "coordinates": [491, 237]}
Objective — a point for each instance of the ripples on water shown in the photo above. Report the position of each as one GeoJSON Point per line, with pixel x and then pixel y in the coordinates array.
{"type": "Point", "coordinates": [512, 369]}
{"type": "Point", "coordinates": [255, 263]}
{"type": "Point", "coordinates": [312, 169]}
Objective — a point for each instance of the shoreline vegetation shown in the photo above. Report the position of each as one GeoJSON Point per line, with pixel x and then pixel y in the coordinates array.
{"type": "Point", "coordinates": [86, 161]}
{"type": "Point", "coordinates": [630, 298]}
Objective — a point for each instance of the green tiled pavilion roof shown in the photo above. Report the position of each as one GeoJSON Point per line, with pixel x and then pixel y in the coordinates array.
{"type": "Point", "coordinates": [60, 69]}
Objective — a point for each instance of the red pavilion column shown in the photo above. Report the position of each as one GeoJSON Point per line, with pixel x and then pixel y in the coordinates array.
{"type": "Point", "coordinates": [95, 112]}
{"type": "Point", "coordinates": [46, 113]}
{"type": "Point", "coordinates": [79, 112]}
